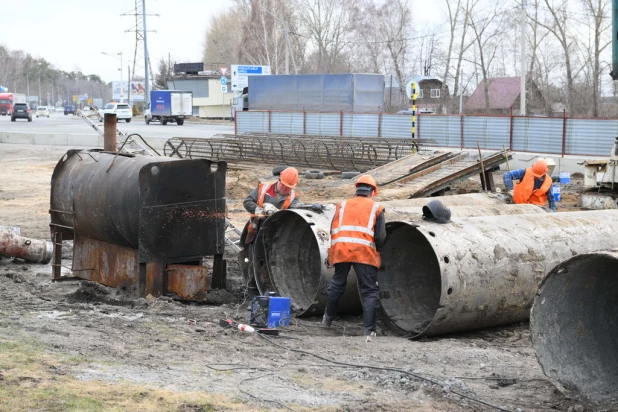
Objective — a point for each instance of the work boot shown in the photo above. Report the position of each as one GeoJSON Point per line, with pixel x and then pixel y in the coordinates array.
{"type": "Point", "coordinates": [327, 321]}
{"type": "Point", "coordinates": [370, 336]}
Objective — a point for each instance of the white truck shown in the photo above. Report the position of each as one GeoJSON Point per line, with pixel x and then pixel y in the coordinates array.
{"type": "Point", "coordinates": [173, 106]}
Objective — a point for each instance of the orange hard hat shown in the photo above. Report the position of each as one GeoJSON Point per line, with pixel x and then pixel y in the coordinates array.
{"type": "Point", "coordinates": [289, 177]}
{"type": "Point", "coordinates": [367, 180]}
{"type": "Point", "coordinates": [539, 169]}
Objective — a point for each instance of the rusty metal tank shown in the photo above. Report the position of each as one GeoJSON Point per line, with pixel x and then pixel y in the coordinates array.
{"type": "Point", "coordinates": [141, 202]}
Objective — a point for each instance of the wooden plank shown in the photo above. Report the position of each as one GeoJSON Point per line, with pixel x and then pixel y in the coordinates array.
{"type": "Point", "coordinates": [387, 173]}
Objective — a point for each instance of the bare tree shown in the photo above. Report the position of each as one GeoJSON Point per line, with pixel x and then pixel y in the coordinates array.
{"type": "Point", "coordinates": [465, 43]}
{"type": "Point", "coordinates": [263, 35]}
{"type": "Point", "coordinates": [598, 24]}
{"type": "Point", "coordinates": [486, 33]}
{"type": "Point", "coordinates": [330, 25]}
{"type": "Point", "coordinates": [558, 26]}
{"type": "Point", "coordinates": [222, 40]}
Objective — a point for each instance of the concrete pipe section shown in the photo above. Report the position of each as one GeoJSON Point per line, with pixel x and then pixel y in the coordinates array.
{"type": "Point", "coordinates": [292, 246]}
{"type": "Point", "coordinates": [574, 324]}
{"type": "Point", "coordinates": [479, 272]}
{"type": "Point", "coordinates": [30, 250]}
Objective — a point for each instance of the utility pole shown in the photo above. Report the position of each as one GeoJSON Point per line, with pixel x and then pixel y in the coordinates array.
{"type": "Point", "coordinates": [39, 102]}
{"type": "Point", "coordinates": [522, 102]}
{"type": "Point", "coordinates": [146, 57]}
{"type": "Point", "coordinates": [129, 88]}
{"type": "Point", "coordinates": [27, 85]}
{"type": "Point", "coordinates": [287, 51]}
{"type": "Point", "coordinates": [461, 91]}
{"type": "Point", "coordinates": [614, 72]}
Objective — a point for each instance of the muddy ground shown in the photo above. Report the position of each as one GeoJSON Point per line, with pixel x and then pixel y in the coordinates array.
{"type": "Point", "coordinates": [75, 345]}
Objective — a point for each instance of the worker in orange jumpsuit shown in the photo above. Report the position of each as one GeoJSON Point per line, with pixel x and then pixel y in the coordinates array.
{"type": "Point", "coordinates": [535, 185]}
{"type": "Point", "coordinates": [262, 202]}
{"type": "Point", "coordinates": [357, 230]}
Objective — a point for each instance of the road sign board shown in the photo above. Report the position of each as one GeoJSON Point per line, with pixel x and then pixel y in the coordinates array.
{"type": "Point", "coordinates": [409, 86]}
{"type": "Point", "coordinates": [240, 75]}
{"type": "Point", "coordinates": [223, 71]}
{"type": "Point", "coordinates": [223, 80]}
{"type": "Point", "coordinates": [223, 88]}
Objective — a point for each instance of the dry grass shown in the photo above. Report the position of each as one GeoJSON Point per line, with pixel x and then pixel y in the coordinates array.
{"type": "Point", "coordinates": [32, 380]}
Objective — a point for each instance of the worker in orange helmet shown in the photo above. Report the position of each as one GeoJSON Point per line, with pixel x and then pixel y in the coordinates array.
{"type": "Point", "coordinates": [534, 186]}
{"type": "Point", "coordinates": [357, 230]}
{"type": "Point", "coordinates": [262, 202]}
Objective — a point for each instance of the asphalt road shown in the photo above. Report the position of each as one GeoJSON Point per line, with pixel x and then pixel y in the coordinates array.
{"type": "Point", "coordinates": [58, 123]}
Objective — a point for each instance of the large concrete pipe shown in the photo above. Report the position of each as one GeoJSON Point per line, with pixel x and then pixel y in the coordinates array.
{"type": "Point", "coordinates": [292, 246]}
{"type": "Point", "coordinates": [482, 271]}
{"type": "Point", "coordinates": [574, 324]}
{"type": "Point", "coordinates": [30, 250]}
{"type": "Point", "coordinates": [412, 206]}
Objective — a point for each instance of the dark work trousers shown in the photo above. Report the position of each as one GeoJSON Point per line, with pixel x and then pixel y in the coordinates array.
{"type": "Point", "coordinates": [368, 282]}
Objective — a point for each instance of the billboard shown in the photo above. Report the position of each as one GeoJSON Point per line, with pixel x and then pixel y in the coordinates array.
{"type": "Point", "coordinates": [138, 91]}
{"type": "Point", "coordinates": [240, 75]}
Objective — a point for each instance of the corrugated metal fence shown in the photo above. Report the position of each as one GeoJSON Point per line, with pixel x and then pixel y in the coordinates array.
{"type": "Point", "coordinates": [552, 135]}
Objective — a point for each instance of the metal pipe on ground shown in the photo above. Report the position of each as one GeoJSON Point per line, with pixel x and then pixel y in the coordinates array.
{"type": "Point", "coordinates": [574, 325]}
{"type": "Point", "coordinates": [479, 272]}
{"type": "Point", "coordinates": [30, 250]}
{"type": "Point", "coordinates": [110, 132]}
{"type": "Point", "coordinates": [292, 246]}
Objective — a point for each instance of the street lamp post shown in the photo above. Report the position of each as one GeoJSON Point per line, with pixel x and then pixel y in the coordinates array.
{"type": "Point", "coordinates": [121, 85]}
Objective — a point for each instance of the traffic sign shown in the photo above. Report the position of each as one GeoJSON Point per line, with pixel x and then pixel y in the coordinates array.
{"type": "Point", "coordinates": [223, 89]}
{"type": "Point", "coordinates": [223, 80]}
{"type": "Point", "coordinates": [223, 71]}
{"type": "Point", "coordinates": [409, 87]}
{"type": "Point", "coordinates": [240, 75]}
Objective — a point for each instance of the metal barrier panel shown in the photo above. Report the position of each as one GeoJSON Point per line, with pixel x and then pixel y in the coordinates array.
{"type": "Point", "coordinates": [396, 125]}
{"type": "Point", "coordinates": [323, 124]}
{"type": "Point", "coordinates": [590, 136]}
{"type": "Point", "coordinates": [360, 124]}
{"type": "Point", "coordinates": [256, 122]}
{"type": "Point", "coordinates": [491, 132]}
{"type": "Point", "coordinates": [286, 122]}
{"type": "Point", "coordinates": [537, 134]}
{"type": "Point", "coordinates": [446, 130]}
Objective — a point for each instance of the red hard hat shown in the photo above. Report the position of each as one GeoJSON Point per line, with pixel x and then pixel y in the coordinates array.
{"type": "Point", "coordinates": [367, 180]}
{"type": "Point", "coordinates": [289, 177]}
{"type": "Point", "coordinates": [539, 169]}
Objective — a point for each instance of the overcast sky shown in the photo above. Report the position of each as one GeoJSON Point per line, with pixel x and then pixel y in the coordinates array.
{"type": "Point", "coordinates": [71, 34]}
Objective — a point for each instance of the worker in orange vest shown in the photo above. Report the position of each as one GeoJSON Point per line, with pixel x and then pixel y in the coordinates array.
{"type": "Point", "coordinates": [262, 202]}
{"type": "Point", "coordinates": [357, 230]}
{"type": "Point", "coordinates": [534, 186]}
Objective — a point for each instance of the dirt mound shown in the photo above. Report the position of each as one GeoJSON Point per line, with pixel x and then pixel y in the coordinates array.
{"type": "Point", "coordinates": [91, 292]}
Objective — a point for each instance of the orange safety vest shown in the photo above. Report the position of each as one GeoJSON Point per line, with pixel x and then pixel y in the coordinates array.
{"type": "Point", "coordinates": [352, 231]}
{"type": "Point", "coordinates": [263, 189]}
{"type": "Point", "coordinates": [524, 191]}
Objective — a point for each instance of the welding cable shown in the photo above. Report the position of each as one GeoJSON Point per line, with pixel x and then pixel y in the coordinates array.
{"type": "Point", "coordinates": [385, 368]}
{"type": "Point", "coordinates": [257, 397]}
{"type": "Point", "coordinates": [235, 367]}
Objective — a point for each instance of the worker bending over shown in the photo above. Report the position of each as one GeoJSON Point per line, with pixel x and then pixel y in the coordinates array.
{"type": "Point", "coordinates": [534, 186]}
{"type": "Point", "coordinates": [357, 230]}
{"type": "Point", "coordinates": [262, 202]}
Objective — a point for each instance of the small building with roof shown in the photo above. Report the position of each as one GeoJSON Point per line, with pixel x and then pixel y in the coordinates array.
{"type": "Point", "coordinates": [503, 94]}
{"type": "Point", "coordinates": [433, 96]}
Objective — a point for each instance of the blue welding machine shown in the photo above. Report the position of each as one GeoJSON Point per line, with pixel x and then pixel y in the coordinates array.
{"type": "Point", "coordinates": [269, 311]}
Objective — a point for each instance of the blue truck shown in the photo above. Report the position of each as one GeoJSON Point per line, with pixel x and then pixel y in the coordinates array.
{"type": "Point", "coordinates": [173, 106]}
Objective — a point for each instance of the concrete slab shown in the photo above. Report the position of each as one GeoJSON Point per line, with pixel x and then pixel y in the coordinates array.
{"type": "Point", "coordinates": [83, 140]}
{"type": "Point", "coordinates": [51, 139]}
{"type": "Point", "coordinates": [17, 137]}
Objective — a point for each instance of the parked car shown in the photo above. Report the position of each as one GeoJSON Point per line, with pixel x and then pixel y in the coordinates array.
{"type": "Point", "coordinates": [42, 111]}
{"type": "Point", "coordinates": [69, 110]}
{"type": "Point", "coordinates": [122, 111]}
{"type": "Point", "coordinates": [21, 111]}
